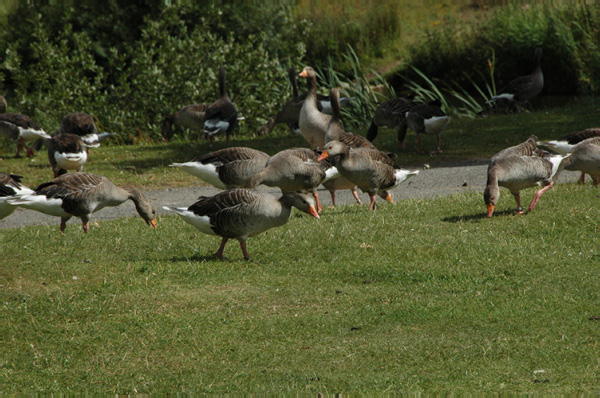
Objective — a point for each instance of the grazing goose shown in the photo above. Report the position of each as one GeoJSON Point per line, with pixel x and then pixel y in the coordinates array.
{"type": "Point", "coordinates": [80, 195]}
{"type": "Point", "coordinates": [226, 168]}
{"type": "Point", "coordinates": [391, 114]}
{"type": "Point", "coordinates": [295, 169]}
{"type": "Point", "coordinates": [517, 168]}
{"type": "Point", "coordinates": [368, 168]}
{"type": "Point", "coordinates": [221, 115]}
{"type": "Point", "coordinates": [83, 125]}
{"type": "Point", "coordinates": [584, 157]}
{"type": "Point", "coordinates": [19, 128]}
{"type": "Point", "coordinates": [10, 188]}
{"type": "Point", "coordinates": [241, 213]}
{"type": "Point", "coordinates": [67, 152]}
{"type": "Point", "coordinates": [524, 88]}
{"type": "Point", "coordinates": [427, 119]}
{"type": "Point", "coordinates": [190, 116]}
{"type": "Point", "coordinates": [313, 123]}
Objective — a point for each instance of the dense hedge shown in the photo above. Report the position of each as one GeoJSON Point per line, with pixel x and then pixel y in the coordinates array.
{"type": "Point", "coordinates": [569, 35]}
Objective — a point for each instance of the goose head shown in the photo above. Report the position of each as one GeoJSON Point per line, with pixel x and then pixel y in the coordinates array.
{"type": "Point", "coordinates": [333, 148]}
{"type": "Point", "coordinates": [143, 206]}
{"type": "Point", "coordinates": [490, 196]}
{"type": "Point", "coordinates": [302, 201]}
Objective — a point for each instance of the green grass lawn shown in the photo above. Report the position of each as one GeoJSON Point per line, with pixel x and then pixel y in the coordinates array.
{"type": "Point", "coordinates": [146, 165]}
{"type": "Point", "coordinates": [422, 295]}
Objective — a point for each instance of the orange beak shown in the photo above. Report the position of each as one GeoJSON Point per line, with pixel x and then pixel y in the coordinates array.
{"type": "Point", "coordinates": [313, 212]}
{"type": "Point", "coordinates": [304, 73]}
{"type": "Point", "coordinates": [323, 156]}
{"type": "Point", "coordinates": [389, 198]}
{"type": "Point", "coordinates": [153, 224]}
{"type": "Point", "coordinates": [490, 208]}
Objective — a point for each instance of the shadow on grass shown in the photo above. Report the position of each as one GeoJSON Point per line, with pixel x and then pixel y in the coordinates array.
{"type": "Point", "coordinates": [479, 216]}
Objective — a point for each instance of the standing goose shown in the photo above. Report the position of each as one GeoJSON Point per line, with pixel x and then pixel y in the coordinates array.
{"type": "Point", "coordinates": [313, 123]}
{"type": "Point", "coordinates": [67, 152]}
{"type": "Point", "coordinates": [294, 169]}
{"type": "Point", "coordinates": [80, 195]}
{"type": "Point", "coordinates": [368, 168]}
{"type": "Point", "coordinates": [83, 125]}
{"type": "Point", "coordinates": [190, 116]}
{"type": "Point", "coordinates": [221, 115]}
{"type": "Point", "coordinates": [241, 213]}
{"type": "Point", "coordinates": [524, 88]}
{"type": "Point", "coordinates": [584, 157]}
{"type": "Point", "coordinates": [427, 119]}
{"type": "Point", "coordinates": [226, 168]}
{"type": "Point", "coordinates": [517, 168]}
{"type": "Point", "coordinates": [391, 114]}
{"type": "Point", "coordinates": [19, 128]}
{"type": "Point", "coordinates": [10, 188]}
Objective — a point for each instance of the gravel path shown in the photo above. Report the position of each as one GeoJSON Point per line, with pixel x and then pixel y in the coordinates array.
{"type": "Point", "coordinates": [440, 179]}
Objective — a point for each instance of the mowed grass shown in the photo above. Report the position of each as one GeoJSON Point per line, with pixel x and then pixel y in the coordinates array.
{"type": "Point", "coordinates": [147, 165]}
{"type": "Point", "coordinates": [421, 295]}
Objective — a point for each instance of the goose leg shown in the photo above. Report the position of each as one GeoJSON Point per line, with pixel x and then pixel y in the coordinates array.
{"type": "Point", "coordinates": [355, 194]}
{"type": "Point", "coordinates": [539, 194]}
{"type": "Point", "coordinates": [86, 226]}
{"type": "Point", "coordinates": [517, 196]}
{"type": "Point", "coordinates": [332, 193]}
{"type": "Point", "coordinates": [438, 150]}
{"type": "Point", "coordinates": [595, 181]}
{"type": "Point", "coordinates": [219, 253]}
{"type": "Point", "coordinates": [372, 204]}
{"type": "Point", "coordinates": [401, 132]}
{"type": "Point", "coordinates": [63, 225]}
{"type": "Point", "coordinates": [582, 178]}
{"type": "Point", "coordinates": [318, 202]}
{"type": "Point", "coordinates": [419, 144]}
{"type": "Point", "coordinates": [244, 250]}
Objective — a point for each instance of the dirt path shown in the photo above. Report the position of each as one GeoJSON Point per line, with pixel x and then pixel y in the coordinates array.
{"type": "Point", "coordinates": [439, 180]}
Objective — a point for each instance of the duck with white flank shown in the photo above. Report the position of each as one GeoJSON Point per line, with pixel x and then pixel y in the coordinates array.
{"type": "Point", "coordinates": [226, 168]}
{"type": "Point", "coordinates": [83, 125]}
{"type": "Point", "coordinates": [370, 169]}
{"type": "Point", "coordinates": [391, 114]}
{"type": "Point", "coordinates": [427, 119]}
{"type": "Point", "coordinates": [67, 152]}
{"type": "Point", "coordinates": [80, 195]}
{"type": "Point", "coordinates": [221, 116]}
{"type": "Point", "coordinates": [19, 128]}
{"type": "Point", "coordinates": [241, 213]}
{"type": "Point", "coordinates": [524, 88]}
{"type": "Point", "coordinates": [519, 167]}
{"type": "Point", "coordinates": [10, 188]}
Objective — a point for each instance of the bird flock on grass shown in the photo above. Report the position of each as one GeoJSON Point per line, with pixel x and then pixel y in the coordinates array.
{"type": "Point", "coordinates": [336, 159]}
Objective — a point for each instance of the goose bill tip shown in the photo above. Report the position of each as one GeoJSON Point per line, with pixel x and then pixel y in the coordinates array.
{"type": "Point", "coordinates": [323, 156]}
{"type": "Point", "coordinates": [389, 198]}
{"type": "Point", "coordinates": [490, 210]}
{"type": "Point", "coordinates": [303, 73]}
{"type": "Point", "coordinates": [153, 224]}
{"type": "Point", "coordinates": [313, 212]}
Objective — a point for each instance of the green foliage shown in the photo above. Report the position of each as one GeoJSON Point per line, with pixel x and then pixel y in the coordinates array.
{"type": "Point", "coordinates": [459, 52]}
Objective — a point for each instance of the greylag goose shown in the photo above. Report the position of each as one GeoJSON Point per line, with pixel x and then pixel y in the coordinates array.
{"type": "Point", "coordinates": [241, 213]}
{"type": "Point", "coordinates": [80, 195]}
{"type": "Point", "coordinates": [368, 168]}
{"type": "Point", "coordinates": [313, 123]}
{"type": "Point", "coordinates": [10, 188]}
{"type": "Point", "coordinates": [517, 168]}
{"type": "Point", "coordinates": [67, 152]}
{"type": "Point", "coordinates": [83, 125]}
{"type": "Point", "coordinates": [427, 119]}
{"type": "Point", "coordinates": [391, 114]}
{"type": "Point", "coordinates": [294, 169]}
{"type": "Point", "coordinates": [19, 128]}
{"type": "Point", "coordinates": [190, 116]}
{"type": "Point", "coordinates": [568, 143]}
{"type": "Point", "coordinates": [524, 88]}
{"type": "Point", "coordinates": [226, 168]}
{"type": "Point", "coordinates": [335, 131]}
{"type": "Point", "coordinates": [584, 157]}
{"type": "Point", "coordinates": [222, 115]}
